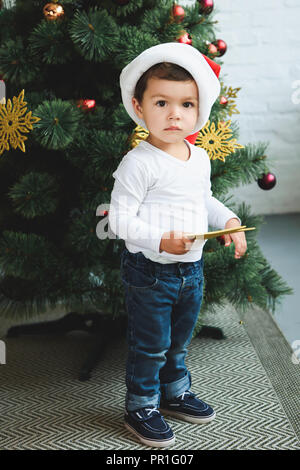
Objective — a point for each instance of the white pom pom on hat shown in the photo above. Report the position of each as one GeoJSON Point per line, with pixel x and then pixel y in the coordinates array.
{"type": "Point", "coordinates": [204, 71]}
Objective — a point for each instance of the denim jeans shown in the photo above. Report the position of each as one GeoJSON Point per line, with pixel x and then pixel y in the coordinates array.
{"type": "Point", "coordinates": [163, 302]}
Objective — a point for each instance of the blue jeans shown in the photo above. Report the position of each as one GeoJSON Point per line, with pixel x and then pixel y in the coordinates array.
{"type": "Point", "coordinates": [163, 302]}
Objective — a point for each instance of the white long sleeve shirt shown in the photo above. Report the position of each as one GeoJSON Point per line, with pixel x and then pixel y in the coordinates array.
{"type": "Point", "coordinates": [155, 192]}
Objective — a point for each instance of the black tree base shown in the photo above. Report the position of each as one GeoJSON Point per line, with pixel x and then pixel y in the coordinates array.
{"type": "Point", "coordinates": [211, 332]}
{"type": "Point", "coordinates": [102, 327]}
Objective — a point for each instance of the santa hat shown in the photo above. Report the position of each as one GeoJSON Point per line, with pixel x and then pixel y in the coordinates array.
{"type": "Point", "coordinates": [204, 71]}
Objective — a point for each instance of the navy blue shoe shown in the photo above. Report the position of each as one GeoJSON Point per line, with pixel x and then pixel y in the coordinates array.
{"type": "Point", "coordinates": [189, 408]}
{"type": "Point", "coordinates": [150, 427]}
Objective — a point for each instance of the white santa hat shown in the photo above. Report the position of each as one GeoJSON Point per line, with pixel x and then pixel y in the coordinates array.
{"type": "Point", "coordinates": [203, 70]}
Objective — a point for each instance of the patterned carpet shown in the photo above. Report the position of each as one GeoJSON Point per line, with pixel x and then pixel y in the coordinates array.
{"type": "Point", "coordinates": [250, 381]}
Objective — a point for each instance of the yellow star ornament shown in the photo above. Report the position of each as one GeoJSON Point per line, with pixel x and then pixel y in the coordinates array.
{"type": "Point", "coordinates": [217, 142]}
{"type": "Point", "coordinates": [137, 135]}
{"type": "Point", "coordinates": [230, 92]}
{"type": "Point", "coordinates": [14, 122]}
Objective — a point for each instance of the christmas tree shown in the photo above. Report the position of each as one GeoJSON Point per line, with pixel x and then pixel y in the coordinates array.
{"type": "Point", "coordinates": [63, 132]}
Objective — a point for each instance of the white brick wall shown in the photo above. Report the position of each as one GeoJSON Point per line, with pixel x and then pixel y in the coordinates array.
{"type": "Point", "coordinates": [263, 57]}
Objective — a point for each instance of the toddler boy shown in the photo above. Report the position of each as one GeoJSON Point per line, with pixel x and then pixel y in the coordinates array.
{"type": "Point", "coordinates": [162, 192]}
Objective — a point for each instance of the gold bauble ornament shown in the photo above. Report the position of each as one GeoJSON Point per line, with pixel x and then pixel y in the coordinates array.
{"type": "Point", "coordinates": [53, 11]}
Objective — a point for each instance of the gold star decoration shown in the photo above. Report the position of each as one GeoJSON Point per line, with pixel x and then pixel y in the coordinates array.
{"type": "Point", "coordinates": [138, 134]}
{"type": "Point", "coordinates": [14, 122]}
{"type": "Point", "coordinates": [230, 92]}
{"type": "Point", "coordinates": [217, 142]}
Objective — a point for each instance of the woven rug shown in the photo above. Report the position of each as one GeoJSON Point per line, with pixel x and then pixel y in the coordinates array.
{"type": "Point", "coordinates": [248, 377]}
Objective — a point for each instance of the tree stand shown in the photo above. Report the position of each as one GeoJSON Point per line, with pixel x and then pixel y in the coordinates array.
{"type": "Point", "coordinates": [103, 328]}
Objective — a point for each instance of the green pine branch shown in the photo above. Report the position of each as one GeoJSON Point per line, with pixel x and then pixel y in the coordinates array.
{"type": "Point", "coordinates": [94, 32]}
{"type": "Point", "coordinates": [58, 125]}
{"type": "Point", "coordinates": [242, 167]}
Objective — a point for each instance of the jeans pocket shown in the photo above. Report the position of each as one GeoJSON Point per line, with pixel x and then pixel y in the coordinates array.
{"type": "Point", "coordinates": [138, 277]}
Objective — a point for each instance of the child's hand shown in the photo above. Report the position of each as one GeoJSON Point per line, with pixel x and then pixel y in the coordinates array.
{"type": "Point", "coordinates": [175, 242]}
{"type": "Point", "coordinates": [238, 238]}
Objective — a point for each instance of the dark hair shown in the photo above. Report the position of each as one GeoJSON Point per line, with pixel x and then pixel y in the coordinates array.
{"type": "Point", "coordinates": [165, 70]}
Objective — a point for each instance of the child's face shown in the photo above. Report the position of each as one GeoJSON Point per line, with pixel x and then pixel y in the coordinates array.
{"type": "Point", "coordinates": [168, 103]}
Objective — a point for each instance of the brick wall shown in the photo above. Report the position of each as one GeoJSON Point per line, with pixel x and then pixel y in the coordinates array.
{"type": "Point", "coordinates": [263, 58]}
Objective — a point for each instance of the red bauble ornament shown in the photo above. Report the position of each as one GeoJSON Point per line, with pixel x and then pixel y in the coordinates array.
{"type": "Point", "coordinates": [221, 46]}
{"type": "Point", "coordinates": [267, 181]}
{"type": "Point", "coordinates": [185, 38]}
{"type": "Point", "coordinates": [178, 13]}
{"type": "Point", "coordinates": [206, 7]}
{"type": "Point", "coordinates": [223, 100]}
{"type": "Point", "coordinates": [86, 104]}
{"type": "Point", "coordinates": [102, 213]}
{"type": "Point", "coordinates": [212, 49]}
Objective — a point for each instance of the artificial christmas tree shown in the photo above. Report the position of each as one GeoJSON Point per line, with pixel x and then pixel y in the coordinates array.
{"type": "Point", "coordinates": [67, 57]}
